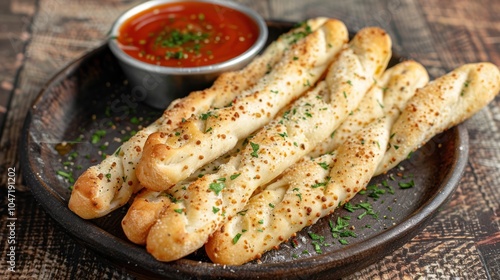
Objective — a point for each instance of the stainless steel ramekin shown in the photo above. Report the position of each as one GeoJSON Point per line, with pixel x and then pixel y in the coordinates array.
{"type": "Point", "coordinates": [157, 85]}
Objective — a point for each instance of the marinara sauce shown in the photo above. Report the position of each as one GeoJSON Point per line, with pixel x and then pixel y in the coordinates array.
{"type": "Point", "coordinates": [187, 34]}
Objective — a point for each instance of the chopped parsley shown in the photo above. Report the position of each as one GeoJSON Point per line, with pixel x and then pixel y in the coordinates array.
{"type": "Point", "coordinates": [366, 206]}
{"type": "Point", "coordinates": [171, 197]}
{"type": "Point", "coordinates": [236, 238]}
{"type": "Point", "coordinates": [324, 165]}
{"type": "Point", "coordinates": [234, 176]}
{"type": "Point", "coordinates": [217, 187]}
{"type": "Point", "coordinates": [68, 176]}
{"type": "Point", "coordinates": [407, 185]}
{"type": "Point", "coordinates": [298, 194]}
{"type": "Point", "coordinates": [255, 149]}
{"type": "Point", "coordinates": [206, 115]}
{"type": "Point", "coordinates": [466, 85]}
{"type": "Point", "coordinates": [299, 34]}
{"type": "Point", "coordinates": [283, 134]}
{"type": "Point", "coordinates": [321, 184]}
{"type": "Point", "coordinates": [318, 240]}
{"type": "Point", "coordinates": [97, 136]}
{"type": "Point", "coordinates": [134, 120]}
{"type": "Point", "coordinates": [242, 212]}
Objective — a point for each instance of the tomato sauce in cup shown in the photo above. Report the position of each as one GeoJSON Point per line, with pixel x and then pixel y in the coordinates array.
{"type": "Point", "coordinates": [187, 34]}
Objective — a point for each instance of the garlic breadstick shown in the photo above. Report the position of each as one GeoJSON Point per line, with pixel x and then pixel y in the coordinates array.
{"type": "Point", "coordinates": [312, 189]}
{"type": "Point", "coordinates": [110, 184]}
{"type": "Point", "coordinates": [393, 88]}
{"type": "Point", "coordinates": [443, 103]}
{"type": "Point", "coordinates": [171, 157]}
{"type": "Point", "coordinates": [193, 212]}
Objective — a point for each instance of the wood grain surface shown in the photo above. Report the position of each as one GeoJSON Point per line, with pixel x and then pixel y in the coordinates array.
{"type": "Point", "coordinates": [39, 37]}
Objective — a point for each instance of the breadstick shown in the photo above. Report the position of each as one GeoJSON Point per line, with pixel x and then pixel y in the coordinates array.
{"type": "Point", "coordinates": [171, 157]}
{"type": "Point", "coordinates": [349, 174]}
{"type": "Point", "coordinates": [442, 104]}
{"type": "Point", "coordinates": [312, 189]}
{"type": "Point", "coordinates": [110, 184]}
{"type": "Point", "coordinates": [185, 222]}
{"type": "Point", "coordinates": [304, 194]}
{"type": "Point", "coordinates": [139, 218]}
{"type": "Point", "coordinates": [392, 89]}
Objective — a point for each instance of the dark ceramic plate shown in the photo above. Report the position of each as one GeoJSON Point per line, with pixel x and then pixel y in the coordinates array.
{"type": "Point", "coordinates": [86, 109]}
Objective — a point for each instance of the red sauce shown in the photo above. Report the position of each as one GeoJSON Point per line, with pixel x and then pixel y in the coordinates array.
{"type": "Point", "coordinates": [187, 34]}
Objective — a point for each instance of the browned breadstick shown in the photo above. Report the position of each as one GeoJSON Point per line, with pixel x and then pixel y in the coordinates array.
{"type": "Point", "coordinates": [171, 157]}
{"type": "Point", "coordinates": [110, 184]}
{"type": "Point", "coordinates": [196, 210]}
{"type": "Point", "coordinates": [391, 90]}
{"type": "Point", "coordinates": [304, 194]}
{"type": "Point", "coordinates": [442, 104]}
{"type": "Point", "coordinates": [352, 166]}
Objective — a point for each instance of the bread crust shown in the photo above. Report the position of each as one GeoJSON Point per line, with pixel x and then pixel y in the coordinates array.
{"type": "Point", "coordinates": [110, 184]}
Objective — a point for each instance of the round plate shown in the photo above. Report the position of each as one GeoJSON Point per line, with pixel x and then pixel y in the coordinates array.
{"type": "Point", "coordinates": [88, 108]}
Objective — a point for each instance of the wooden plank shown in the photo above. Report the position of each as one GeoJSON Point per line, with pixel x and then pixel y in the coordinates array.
{"type": "Point", "coordinates": [463, 33]}
{"type": "Point", "coordinates": [15, 20]}
{"type": "Point", "coordinates": [52, 253]}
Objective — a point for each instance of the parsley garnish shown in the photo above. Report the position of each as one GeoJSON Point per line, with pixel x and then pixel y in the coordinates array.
{"type": "Point", "coordinates": [297, 35]}
{"type": "Point", "coordinates": [298, 194]}
{"type": "Point", "coordinates": [217, 187]}
{"type": "Point", "coordinates": [242, 212]}
{"type": "Point", "coordinates": [96, 137]}
{"type": "Point", "coordinates": [324, 165]}
{"type": "Point", "coordinates": [362, 205]}
{"type": "Point", "coordinates": [255, 149]}
{"type": "Point", "coordinates": [317, 185]}
{"type": "Point", "coordinates": [318, 240]}
{"type": "Point", "coordinates": [283, 134]}
{"type": "Point", "coordinates": [340, 230]}
{"type": "Point", "coordinates": [134, 120]}
{"type": "Point", "coordinates": [206, 115]}
{"type": "Point", "coordinates": [234, 176]}
{"type": "Point", "coordinates": [236, 238]}
{"type": "Point", "coordinates": [406, 185]}
{"type": "Point", "coordinates": [66, 175]}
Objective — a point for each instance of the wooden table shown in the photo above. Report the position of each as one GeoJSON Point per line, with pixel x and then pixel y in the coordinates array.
{"type": "Point", "coordinates": [39, 37]}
